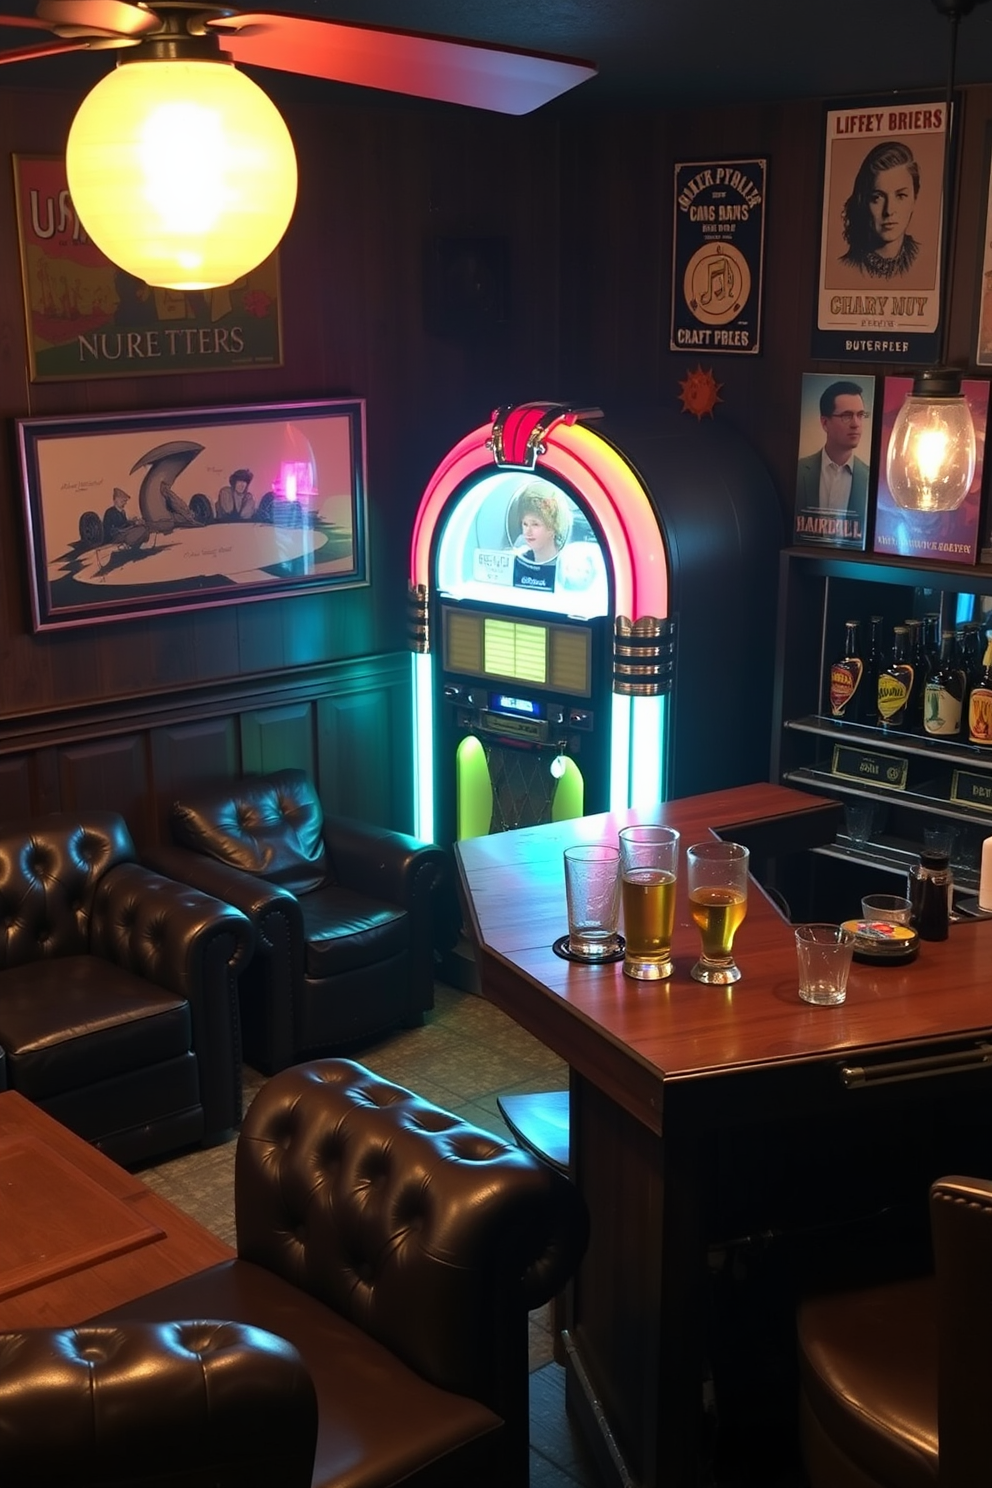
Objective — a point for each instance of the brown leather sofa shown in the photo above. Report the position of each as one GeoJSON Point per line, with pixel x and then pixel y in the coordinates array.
{"type": "Point", "coordinates": [347, 916]}
{"type": "Point", "coordinates": [896, 1379]}
{"type": "Point", "coordinates": [118, 989]}
{"type": "Point", "coordinates": [170, 1405]}
{"type": "Point", "coordinates": [399, 1250]}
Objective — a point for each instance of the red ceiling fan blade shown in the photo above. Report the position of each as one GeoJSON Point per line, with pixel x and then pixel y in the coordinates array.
{"type": "Point", "coordinates": [470, 73]}
{"type": "Point", "coordinates": [40, 48]}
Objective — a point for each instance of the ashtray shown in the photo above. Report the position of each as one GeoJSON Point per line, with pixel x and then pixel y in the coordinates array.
{"type": "Point", "coordinates": [562, 948]}
{"type": "Point", "coordinates": [883, 942]}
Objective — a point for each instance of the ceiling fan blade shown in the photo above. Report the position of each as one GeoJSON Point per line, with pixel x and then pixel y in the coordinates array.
{"type": "Point", "coordinates": [470, 73]}
{"type": "Point", "coordinates": [40, 49]}
{"type": "Point", "coordinates": [96, 18]}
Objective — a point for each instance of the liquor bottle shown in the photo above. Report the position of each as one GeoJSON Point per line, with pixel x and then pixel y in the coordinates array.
{"type": "Point", "coordinates": [970, 643]}
{"type": "Point", "coordinates": [945, 693]}
{"type": "Point", "coordinates": [873, 668]}
{"type": "Point", "coordinates": [895, 684]}
{"type": "Point", "coordinates": [846, 676]}
{"type": "Point", "coordinates": [916, 652]}
{"type": "Point", "coordinates": [980, 703]}
{"type": "Point", "coordinates": [932, 637]}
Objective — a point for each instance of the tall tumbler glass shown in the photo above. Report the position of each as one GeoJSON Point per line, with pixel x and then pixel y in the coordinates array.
{"type": "Point", "coordinates": [717, 880]}
{"type": "Point", "coordinates": [592, 892]}
{"type": "Point", "coordinates": [649, 866]}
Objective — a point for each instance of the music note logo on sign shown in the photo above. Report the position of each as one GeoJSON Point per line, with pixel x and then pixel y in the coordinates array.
{"type": "Point", "coordinates": [717, 256]}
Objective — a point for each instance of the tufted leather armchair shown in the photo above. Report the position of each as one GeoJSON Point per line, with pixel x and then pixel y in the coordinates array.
{"type": "Point", "coordinates": [896, 1379]}
{"type": "Point", "coordinates": [118, 996]}
{"type": "Point", "coordinates": [347, 916]}
{"type": "Point", "coordinates": [399, 1250]}
{"type": "Point", "coordinates": [168, 1405]}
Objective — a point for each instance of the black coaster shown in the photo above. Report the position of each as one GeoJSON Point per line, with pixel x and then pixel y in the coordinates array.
{"type": "Point", "coordinates": [561, 949]}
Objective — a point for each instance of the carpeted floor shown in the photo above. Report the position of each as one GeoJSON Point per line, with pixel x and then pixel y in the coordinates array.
{"type": "Point", "coordinates": [466, 1055]}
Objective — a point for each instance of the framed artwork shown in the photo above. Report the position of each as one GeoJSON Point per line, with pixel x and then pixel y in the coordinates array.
{"type": "Point", "coordinates": [833, 474]}
{"type": "Point", "coordinates": [85, 317]}
{"type": "Point", "coordinates": [983, 348]}
{"type": "Point", "coordinates": [878, 292]}
{"type": "Point", "coordinates": [718, 256]}
{"type": "Point", "coordinates": [150, 513]}
{"type": "Point", "coordinates": [935, 537]}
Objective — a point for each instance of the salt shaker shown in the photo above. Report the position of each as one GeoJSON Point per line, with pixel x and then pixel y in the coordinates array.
{"type": "Point", "coordinates": [929, 893]}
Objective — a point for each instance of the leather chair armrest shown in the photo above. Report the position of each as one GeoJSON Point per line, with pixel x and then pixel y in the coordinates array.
{"type": "Point", "coordinates": [435, 1237]}
{"type": "Point", "coordinates": [254, 896]}
{"type": "Point", "coordinates": [961, 1225]}
{"type": "Point", "coordinates": [205, 1404]}
{"type": "Point", "coordinates": [196, 946]}
{"type": "Point", "coordinates": [401, 869]}
{"type": "Point", "coordinates": [276, 973]}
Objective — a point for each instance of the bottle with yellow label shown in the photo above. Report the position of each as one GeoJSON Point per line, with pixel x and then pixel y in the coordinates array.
{"type": "Point", "coordinates": [895, 684]}
{"type": "Point", "coordinates": [980, 703]}
{"type": "Point", "coordinates": [845, 678]}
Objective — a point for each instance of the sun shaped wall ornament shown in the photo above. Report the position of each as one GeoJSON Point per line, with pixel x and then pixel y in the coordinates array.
{"type": "Point", "coordinates": [700, 393]}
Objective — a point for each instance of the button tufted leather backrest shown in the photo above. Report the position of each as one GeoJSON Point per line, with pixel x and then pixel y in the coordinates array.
{"type": "Point", "coordinates": [270, 825]}
{"type": "Point", "coordinates": [49, 870]}
{"type": "Point", "coordinates": [421, 1229]}
{"type": "Point", "coordinates": [201, 1404]}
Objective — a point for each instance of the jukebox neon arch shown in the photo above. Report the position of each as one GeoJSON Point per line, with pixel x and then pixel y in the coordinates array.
{"type": "Point", "coordinates": [611, 561]}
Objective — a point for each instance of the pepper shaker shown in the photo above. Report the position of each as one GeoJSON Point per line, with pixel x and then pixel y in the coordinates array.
{"type": "Point", "coordinates": [929, 893]}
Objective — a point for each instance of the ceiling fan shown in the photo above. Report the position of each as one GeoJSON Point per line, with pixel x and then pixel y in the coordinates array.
{"type": "Point", "coordinates": [505, 79]}
{"type": "Point", "coordinates": [182, 170]}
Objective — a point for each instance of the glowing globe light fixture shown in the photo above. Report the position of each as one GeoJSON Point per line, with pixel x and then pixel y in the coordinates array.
{"type": "Point", "coordinates": [930, 463]}
{"type": "Point", "coordinates": [181, 169]}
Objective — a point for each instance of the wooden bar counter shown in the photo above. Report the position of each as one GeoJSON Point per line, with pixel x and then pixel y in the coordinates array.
{"type": "Point", "coordinates": [700, 1112]}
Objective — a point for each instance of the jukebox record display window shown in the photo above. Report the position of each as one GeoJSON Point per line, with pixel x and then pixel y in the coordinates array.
{"type": "Point", "coordinates": [498, 647]}
{"type": "Point", "coordinates": [518, 540]}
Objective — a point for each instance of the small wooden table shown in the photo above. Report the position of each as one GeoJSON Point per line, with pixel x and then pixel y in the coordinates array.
{"type": "Point", "coordinates": [78, 1234]}
{"type": "Point", "coordinates": [683, 1097]}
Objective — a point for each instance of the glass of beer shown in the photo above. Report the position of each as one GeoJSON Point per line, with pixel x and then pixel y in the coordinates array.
{"type": "Point", "coordinates": [717, 879]}
{"type": "Point", "coordinates": [648, 865]}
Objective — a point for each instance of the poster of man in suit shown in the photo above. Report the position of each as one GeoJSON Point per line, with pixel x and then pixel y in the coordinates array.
{"type": "Point", "coordinates": [833, 474]}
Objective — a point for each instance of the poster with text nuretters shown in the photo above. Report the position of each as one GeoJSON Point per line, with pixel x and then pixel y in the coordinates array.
{"type": "Point", "coordinates": [85, 317]}
{"type": "Point", "coordinates": [937, 537]}
{"type": "Point", "coordinates": [717, 256]}
{"type": "Point", "coordinates": [878, 295]}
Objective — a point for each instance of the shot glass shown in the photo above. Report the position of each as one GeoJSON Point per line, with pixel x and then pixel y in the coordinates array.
{"type": "Point", "coordinates": [891, 909]}
{"type": "Point", "coordinates": [649, 866]}
{"type": "Point", "coordinates": [592, 890]}
{"type": "Point", "coordinates": [824, 954]}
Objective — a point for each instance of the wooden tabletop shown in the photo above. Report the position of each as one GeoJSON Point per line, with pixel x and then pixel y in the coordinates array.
{"type": "Point", "coordinates": [635, 1038]}
{"type": "Point", "coordinates": [78, 1233]}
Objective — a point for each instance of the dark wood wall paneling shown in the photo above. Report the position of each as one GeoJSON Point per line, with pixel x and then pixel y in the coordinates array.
{"type": "Point", "coordinates": [131, 714]}
{"type": "Point", "coordinates": [584, 204]}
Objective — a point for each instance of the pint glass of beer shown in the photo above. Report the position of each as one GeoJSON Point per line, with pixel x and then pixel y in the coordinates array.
{"type": "Point", "coordinates": [717, 879]}
{"type": "Point", "coordinates": [648, 865]}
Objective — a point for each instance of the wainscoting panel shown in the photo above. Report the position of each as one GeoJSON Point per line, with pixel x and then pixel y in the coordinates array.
{"type": "Point", "coordinates": [347, 723]}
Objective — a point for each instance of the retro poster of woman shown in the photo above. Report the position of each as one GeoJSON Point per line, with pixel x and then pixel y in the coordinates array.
{"type": "Point", "coordinates": [878, 294]}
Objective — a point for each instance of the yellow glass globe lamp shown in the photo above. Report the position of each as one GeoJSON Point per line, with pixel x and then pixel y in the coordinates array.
{"type": "Point", "coordinates": [182, 171]}
{"type": "Point", "coordinates": [930, 462]}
